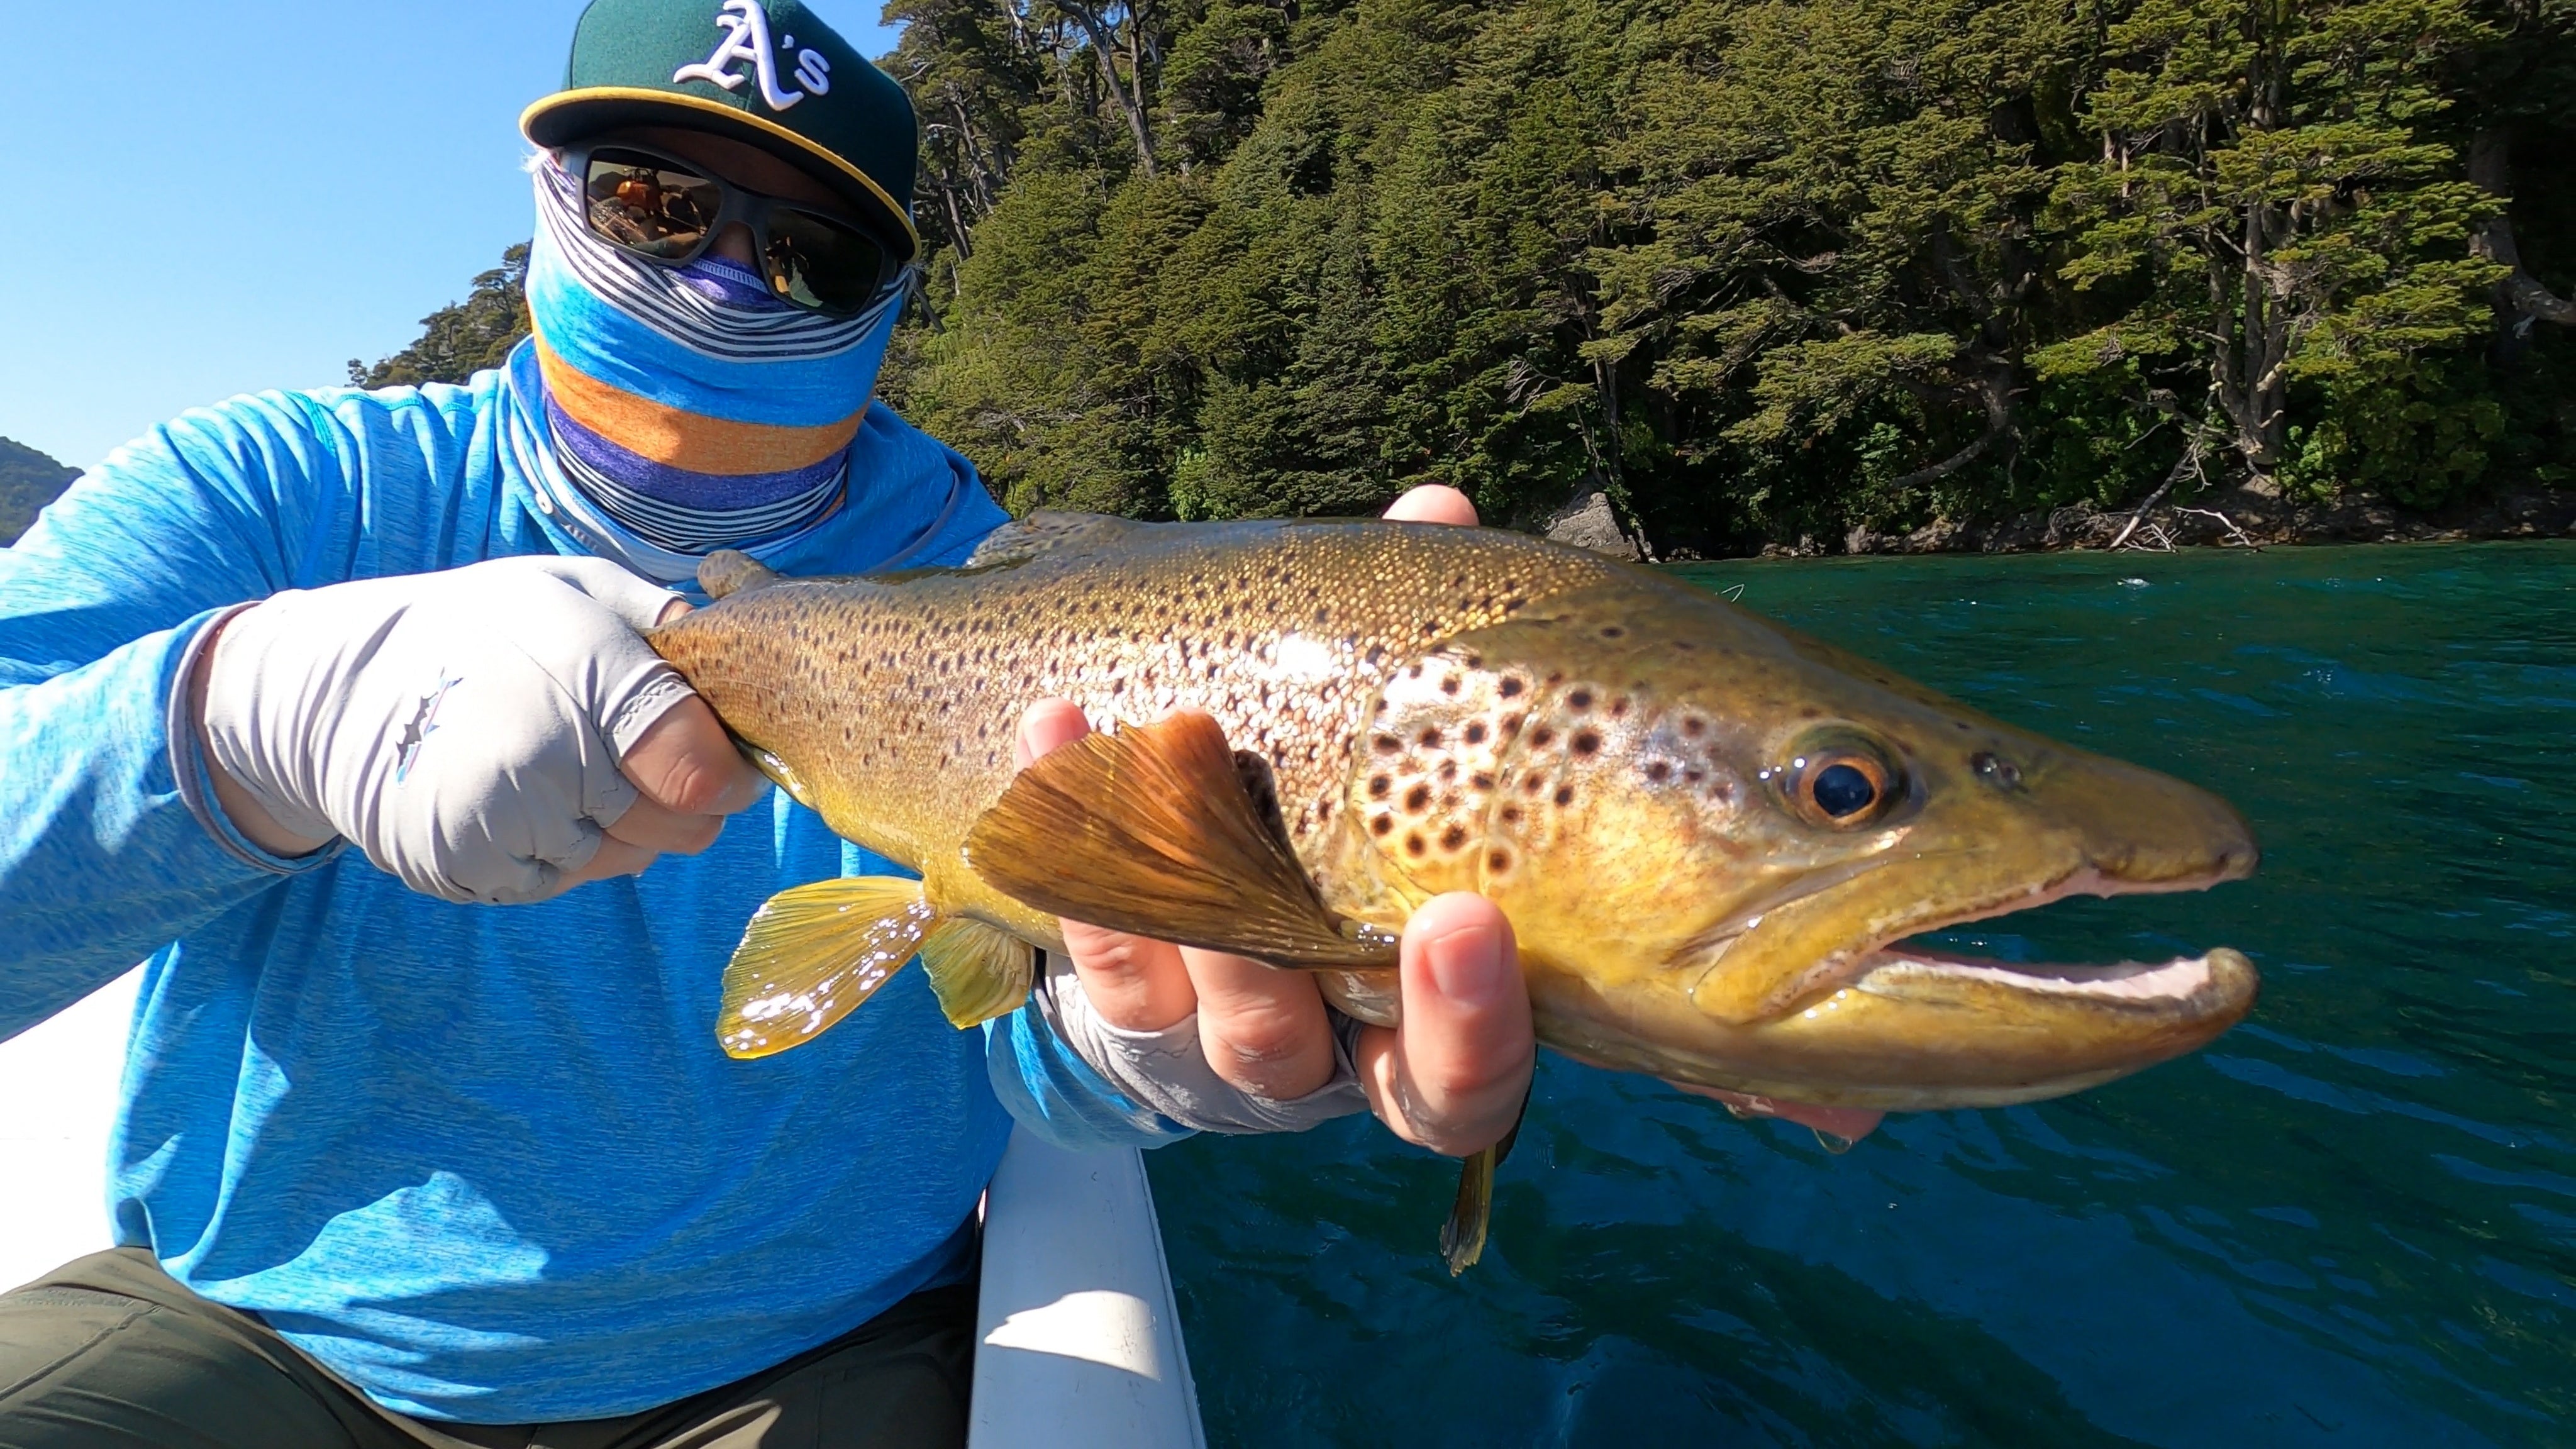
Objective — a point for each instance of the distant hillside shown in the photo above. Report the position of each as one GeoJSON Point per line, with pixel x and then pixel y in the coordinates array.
{"type": "Point", "coordinates": [28, 481]}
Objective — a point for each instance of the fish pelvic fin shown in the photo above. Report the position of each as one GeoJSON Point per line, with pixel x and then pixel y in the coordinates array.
{"type": "Point", "coordinates": [1471, 1214]}
{"type": "Point", "coordinates": [978, 971]}
{"type": "Point", "coordinates": [730, 571]}
{"type": "Point", "coordinates": [812, 955]}
{"type": "Point", "coordinates": [1150, 830]}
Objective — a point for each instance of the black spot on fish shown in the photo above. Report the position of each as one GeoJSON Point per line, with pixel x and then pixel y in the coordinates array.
{"type": "Point", "coordinates": [1512, 686]}
{"type": "Point", "coordinates": [1430, 737]}
{"type": "Point", "coordinates": [1413, 844]}
{"type": "Point", "coordinates": [1498, 860]}
{"type": "Point", "coordinates": [1453, 837]}
{"type": "Point", "coordinates": [1542, 737]}
{"type": "Point", "coordinates": [1449, 685]}
{"type": "Point", "coordinates": [1379, 785]}
{"type": "Point", "coordinates": [1416, 798]}
{"type": "Point", "coordinates": [1659, 772]}
{"type": "Point", "coordinates": [1579, 699]}
{"type": "Point", "coordinates": [1476, 732]}
{"type": "Point", "coordinates": [1565, 794]}
{"type": "Point", "coordinates": [1380, 825]}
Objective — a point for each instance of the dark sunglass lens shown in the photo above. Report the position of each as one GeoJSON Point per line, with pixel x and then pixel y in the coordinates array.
{"type": "Point", "coordinates": [648, 205]}
{"type": "Point", "coordinates": [815, 261]}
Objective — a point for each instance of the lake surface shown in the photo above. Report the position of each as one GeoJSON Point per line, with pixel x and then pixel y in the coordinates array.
{"type": "Point", "coordinates": [2352, 1221]}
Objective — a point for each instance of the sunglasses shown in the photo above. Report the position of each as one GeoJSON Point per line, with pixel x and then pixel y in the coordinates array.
{"type": "Point", "coordinates": [669, 211]}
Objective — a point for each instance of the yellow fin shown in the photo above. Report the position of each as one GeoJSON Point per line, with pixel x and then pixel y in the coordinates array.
{"type": "Point", "coordinates": [1471, 1215]}
{"type": "Point", "coordinates": [979, 972]}
{"type": "Point", "coordinates": [1150, 830]}
{"type": "Point", "coordinates": [812, 954]}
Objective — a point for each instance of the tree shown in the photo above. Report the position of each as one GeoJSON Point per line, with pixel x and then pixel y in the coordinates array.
{"type": "Point", "coordinates": [2269, 202]}
{"type": "Point", "coordinates": [462, 338]}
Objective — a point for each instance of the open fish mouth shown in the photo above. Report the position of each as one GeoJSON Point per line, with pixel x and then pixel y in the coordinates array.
{"type": "Point", "coordinates": [2214, 980]}
{"type": "Point", "coordinates": [2182, 983]}
{"type": "Point", "coordinates": [1902, 1024]}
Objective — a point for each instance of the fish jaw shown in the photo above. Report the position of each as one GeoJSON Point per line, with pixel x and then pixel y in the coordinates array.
{"type": "Point", "coordinates": [1915, 1031]}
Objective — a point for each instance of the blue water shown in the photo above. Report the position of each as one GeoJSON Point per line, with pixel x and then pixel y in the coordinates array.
{"type": "Point", "coordinates": [2352, 1221]}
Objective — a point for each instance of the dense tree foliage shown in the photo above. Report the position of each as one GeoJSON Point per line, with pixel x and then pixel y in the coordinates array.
{"type": "Point", "coordinates": [1758, 270]}
{"type": "Point", "coordinates": [28, 481]}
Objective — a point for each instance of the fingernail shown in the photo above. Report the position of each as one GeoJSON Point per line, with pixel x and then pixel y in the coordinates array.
{"type": "Point", "coordinates": [1467, 966]}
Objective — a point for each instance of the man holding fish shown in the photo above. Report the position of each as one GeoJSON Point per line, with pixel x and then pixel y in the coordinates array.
{"type": "Point", "coordinates": [364, 715]}
{"type": "Point", "coordinates": [334, 706]}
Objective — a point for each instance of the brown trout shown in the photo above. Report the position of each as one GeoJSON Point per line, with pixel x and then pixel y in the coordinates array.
{"type": "Point", "coordinates": [1711, 834]}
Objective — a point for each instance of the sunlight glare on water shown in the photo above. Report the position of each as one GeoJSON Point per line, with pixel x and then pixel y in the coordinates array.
{"type": "Point", "coordinates": [2352, 1221]}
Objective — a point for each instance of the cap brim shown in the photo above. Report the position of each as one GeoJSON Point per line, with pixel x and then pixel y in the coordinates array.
{"type": "Point", "coordinates": [568, 116]}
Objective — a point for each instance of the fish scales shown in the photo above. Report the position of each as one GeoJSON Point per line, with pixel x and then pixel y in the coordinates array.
{"type": "Point", "coordinates": [913, 683]}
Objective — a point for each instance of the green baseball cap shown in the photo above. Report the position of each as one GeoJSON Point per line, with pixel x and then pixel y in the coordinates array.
{"type": "Point", "coordinates": [768, 73]}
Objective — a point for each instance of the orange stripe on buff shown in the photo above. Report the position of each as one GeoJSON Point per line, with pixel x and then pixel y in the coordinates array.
{"type": "Point", "coordinates": [694, 441]}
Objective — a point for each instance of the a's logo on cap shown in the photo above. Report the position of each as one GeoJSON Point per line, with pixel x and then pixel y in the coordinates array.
{"type": "Point", "coordinates": [746, 28]}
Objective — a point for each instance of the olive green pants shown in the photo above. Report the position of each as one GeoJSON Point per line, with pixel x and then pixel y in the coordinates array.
{"type": "Point", "coordinates": [110, 1352]}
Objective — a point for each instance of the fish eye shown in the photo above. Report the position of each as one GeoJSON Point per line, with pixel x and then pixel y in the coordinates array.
{"type": "Point", "coordinates": [1842, 787]}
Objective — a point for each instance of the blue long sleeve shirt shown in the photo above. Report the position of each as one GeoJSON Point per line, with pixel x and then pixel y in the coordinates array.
{"type": "Point", "coordinates": [486, 1163]}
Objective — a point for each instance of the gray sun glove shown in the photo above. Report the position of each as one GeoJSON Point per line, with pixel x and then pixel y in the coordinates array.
{"type": "Point", "coordinates": [1168, 1072]}
{"type": "Point", "coordinates": [462, 728]}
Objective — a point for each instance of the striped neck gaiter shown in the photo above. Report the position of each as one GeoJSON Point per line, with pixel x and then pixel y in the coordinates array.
{"type": "Point", "coordinates": [688, 404]}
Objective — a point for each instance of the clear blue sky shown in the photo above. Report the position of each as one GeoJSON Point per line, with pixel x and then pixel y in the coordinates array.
{"type": "Point", "coordinates": [218, 198]}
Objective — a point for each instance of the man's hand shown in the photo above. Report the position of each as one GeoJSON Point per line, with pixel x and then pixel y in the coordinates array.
{"type": "Point", "coordinates": [496, 733]}
{"type": "Point", "coordinates": [1451, 1078]}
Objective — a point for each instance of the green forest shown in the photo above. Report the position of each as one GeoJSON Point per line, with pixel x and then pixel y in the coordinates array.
{"type": "Point", "coordinates": [1757, 271]}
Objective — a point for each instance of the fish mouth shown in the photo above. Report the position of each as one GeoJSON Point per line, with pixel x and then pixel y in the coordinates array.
{"type": "Point", "coordinates": [2176, 984]}
{"type": "Point", "coordinates": [1900, 966]}
{"type": "Point", "coordinates": [1898, 1024]}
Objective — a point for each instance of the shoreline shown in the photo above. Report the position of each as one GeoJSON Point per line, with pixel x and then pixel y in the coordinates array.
{"type": "Point", "coordinates": [2229, 518]}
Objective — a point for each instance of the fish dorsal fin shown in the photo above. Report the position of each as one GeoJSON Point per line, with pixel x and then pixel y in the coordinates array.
{"type": "Point", "coordinates": [730, 571]}
{"type": "Point", "coordinates": [978, 971]}
{"type": "Point", "coordinates": [1150, 830]}
{"type": "Point", "coordinates": [1042, 532]}
{"type": "Point", "coordinates": [812, 954]}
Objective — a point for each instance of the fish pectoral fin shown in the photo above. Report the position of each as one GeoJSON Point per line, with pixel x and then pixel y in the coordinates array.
{"type": "Point", "coordinates": [812, 954]}
{"type": "Point", "coordinates": [978, 971]}
{"type": "Point", "coordinates": [1150, 830]}
{"type": "Point", "coordinates": [730, 571]}
{"type": "Point", "coordinates": [1471, 1214]}
{"type": "Point", "coordinates": [780, 773]}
